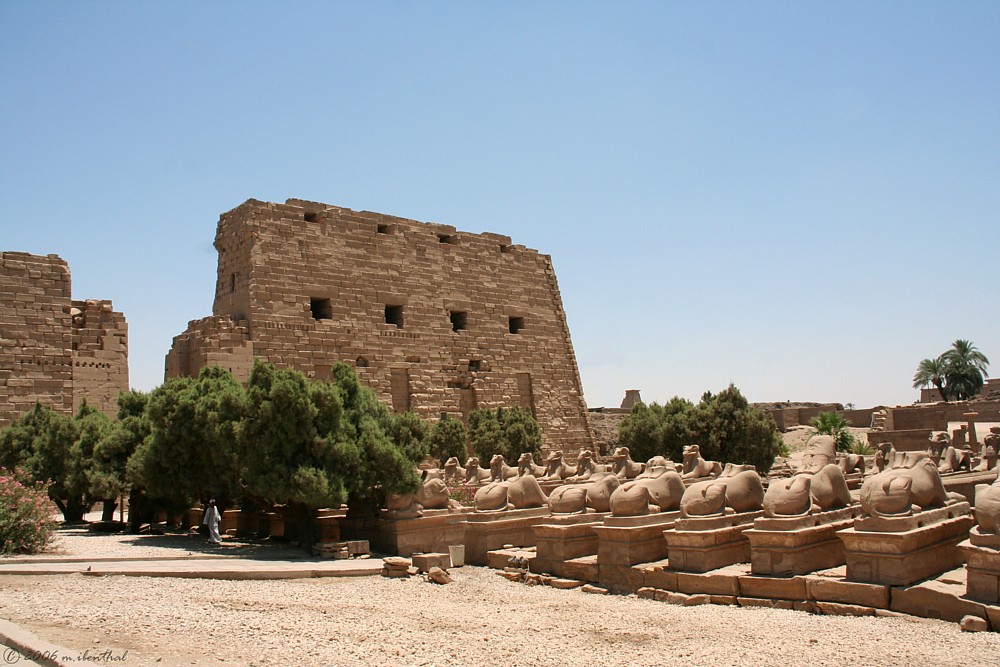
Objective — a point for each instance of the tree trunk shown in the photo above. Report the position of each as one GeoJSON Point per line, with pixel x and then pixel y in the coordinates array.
{"type": "Point", "coordinates": [940, 387]}
{"type": "Point", "coordinates": [305, 525]}
{"type": "Point", "coordinates": [108, 511]}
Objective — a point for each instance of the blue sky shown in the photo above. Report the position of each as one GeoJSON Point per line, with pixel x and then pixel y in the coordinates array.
{"type": "Point", "coordinates": [799, 198]}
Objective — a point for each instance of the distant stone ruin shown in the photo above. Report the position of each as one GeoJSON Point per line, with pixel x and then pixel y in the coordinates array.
{"type": "Point", "coordinates": [433, 319]}
{"type": "Point", "coordinates": [54, 350]}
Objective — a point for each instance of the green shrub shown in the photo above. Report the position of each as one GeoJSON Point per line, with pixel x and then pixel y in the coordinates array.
{"type": "Point", "coordinates": [832, 423]}
{"type": "Point", "coordinates": [26, 521]}
{"type": "Point", "coordinates": [447, 439]}
{"type": "Point", "coordinates": [507, 431]}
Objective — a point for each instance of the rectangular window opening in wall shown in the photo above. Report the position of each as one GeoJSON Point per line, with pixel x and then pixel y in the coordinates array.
{"type": "Point", "coordinates": [382, 229]}
{"type": "Point", "coordinates": [504, 248]}
{"type": "Point", "coordinates": [447, 238]}
{"type": "Point", "coordinates": [394, 315]}
{"type": "Point", "coordinates": [321, 309]}
{"type": "Point", "coordinates": [515, 324]}
{"type": "Point", "coordinates": [232, 283]}
{"type": "Point", "coordinates": [310, 217]}
{"type": "Point", "coordinates": [475, 365]}
{"type": "Point", "coordinates": [459, 319]}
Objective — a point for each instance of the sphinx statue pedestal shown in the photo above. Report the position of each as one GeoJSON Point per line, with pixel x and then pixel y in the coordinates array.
{"type": "Point", "coordinates": [898, 551]}
{"type": "Point", "coordinates": [701, 544]}
{"type": "Point", "coordinates": [432, 532]}
{"type": "Point", "coordinates": [798, 545]}
{"type": "Point", "coordinates": [487, 531]}
{"type": "Point", "coordinates": [563, 537]}
{"type": "Point", "coordinates": [624, 541]}
{"type": "Point", "coordinates": [982, 565]}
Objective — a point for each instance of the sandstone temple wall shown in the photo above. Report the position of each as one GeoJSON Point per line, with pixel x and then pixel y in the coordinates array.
{"type": "Point", "coordinates": [433, 319]}
{"type": "Point", "coordinates": [54, 350]}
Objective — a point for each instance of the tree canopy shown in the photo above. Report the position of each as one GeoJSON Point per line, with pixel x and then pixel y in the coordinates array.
{"type": "Point", "coordinates": [507, 431]}
{"type": "Point", "coordinates": [958, 373]}
{"type": "Point", "coordinates": [724, 425]}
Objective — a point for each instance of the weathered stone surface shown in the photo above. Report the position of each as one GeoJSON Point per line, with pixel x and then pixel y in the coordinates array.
{"type": "Point", "coordinates": [828, 589]}
{"type": "Point", "coordinates": [433, 319]}
{"type": "Point", "coordinates": [54, 350]}
{"type": "Point", "coordinates": [596, 590]}
{"type": "Point", "coordinates": [724, 581]}
{"type": "Point", "coordinates": [425, 562]}
{"type": "Point", "coordinates": [935, 599]}
{"type": "Point", "coordinates": [974, 624]}
{"type": "Point", "coordinates": [840, 609]}
{"type": "Point", "coordinates": [565, 583]}
{"type": "Point", "coordinates": [784, 588]}
{"type": "Point", "coordinates": [438, 576]}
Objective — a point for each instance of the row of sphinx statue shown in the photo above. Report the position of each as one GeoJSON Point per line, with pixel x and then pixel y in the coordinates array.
{"type": "Point", "coordinates": [906, 483]}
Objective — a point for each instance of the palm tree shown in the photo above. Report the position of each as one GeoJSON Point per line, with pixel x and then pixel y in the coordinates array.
{"type": "Point", "coordinates": [965, 368]}
{"type": "Point", "coordinates": [931, 372]}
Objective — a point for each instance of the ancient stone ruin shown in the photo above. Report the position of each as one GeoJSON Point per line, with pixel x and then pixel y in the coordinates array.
{"type": "Point", "coordinates": [433, 319]}
{"type": "Point", "coordinates": [54, 350]}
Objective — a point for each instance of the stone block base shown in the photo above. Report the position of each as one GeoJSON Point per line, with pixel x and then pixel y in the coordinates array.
{"type": "Point", "coordinates": [905, 557]}
{"type": "Point", "coordinates": [798, 546]}
{"type": "Point", "coordinates": [941, 598]}
{"type": "Point", "coordinates": [702, 545]}
{"type": "Point", "coordinates": [565, 538]}
{"type": "Point", "coordinates": [433, 532]}
{"type": "Point", "coordinates": [627, 541]}
{"type": "Point", "coordinates": [982, 566]}
{"type": "Point", "coordinates": [487, 531]}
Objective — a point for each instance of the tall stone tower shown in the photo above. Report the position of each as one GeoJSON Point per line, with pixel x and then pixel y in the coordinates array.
{"type": "Point", "coordinates": [433, 319]}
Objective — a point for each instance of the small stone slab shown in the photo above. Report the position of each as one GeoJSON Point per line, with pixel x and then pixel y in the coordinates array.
{"type": "Point", "coordinates": [565, 583]}
{"type": "Point", "coordinates": [424, 562]}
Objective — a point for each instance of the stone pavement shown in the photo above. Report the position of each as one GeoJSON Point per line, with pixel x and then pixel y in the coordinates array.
{"type": "Point", "coordinates": [198, 567]}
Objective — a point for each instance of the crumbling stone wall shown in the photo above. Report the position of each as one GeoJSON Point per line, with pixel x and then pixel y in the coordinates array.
{"type": "Point", "coordinates": [54, 350]}
{"type": "Point", "coordinates": [100, 355]}
{"type": "Point", "coordinates": [433, 319]}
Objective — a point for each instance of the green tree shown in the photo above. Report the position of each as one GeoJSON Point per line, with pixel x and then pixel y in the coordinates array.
{"type": "Point", "coordinates": [931, 373]}
{"type": "Point", "coordinates": [108, 473]}
{"type": "Point", "coordinates": [410, 433]}
{"type": "Point", "coordinates": [736, 432]}
{"type": "Point", "coordinates": [42, 443]}
{"type": "Point", "coordinates": [506, 431]}
{"type": "Point", "coordinates": [191, 450]}
{"type": "Point", "coordinates": [92, 426]}
{"type": "Point", "coordinates": [832, 423]}
{"type": "Point", "coordinates": [658, 430]}
{"type": "Point", "coordinates": [485, 435]}
{"type": "Point", "coordinates": [965, 370]}
{"type": "Point", "coordinates": [447, 439]}
{"type": "Point", "coordinates": [313, 445]}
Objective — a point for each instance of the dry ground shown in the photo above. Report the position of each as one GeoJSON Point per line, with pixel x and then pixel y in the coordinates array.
{"type": "Point", "coordinates": [480, 619]}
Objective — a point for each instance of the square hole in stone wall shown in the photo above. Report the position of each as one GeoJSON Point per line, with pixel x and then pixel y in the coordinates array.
{"type": "Point", "coordinates": [447, 238]}
{"type": "Point", "coordinates": [394, 315]}
{"type": "Point", "coordinates": [321, 309]}
{"type": "Point", "coordinates": [459, 319]}
{"type": "Point", "coordinates": [475, 365]}
{"type": "Point", "coordinates": [310, 217]}
{"type": "Point", "coordinates": [515, 324]}
{"type": "Point", "coordinates": [383, 229]}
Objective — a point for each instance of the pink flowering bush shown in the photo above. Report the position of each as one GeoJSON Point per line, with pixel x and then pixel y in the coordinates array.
{"type": "Point", "coordinates": [26, 514]}
{"type": "Point", "coordinates": [463, 493]}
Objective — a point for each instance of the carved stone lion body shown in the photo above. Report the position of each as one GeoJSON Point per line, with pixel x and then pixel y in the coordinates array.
{"type": "Point", "coordinates": [499, 470]}
{"type": "Point", "coordinates": [556, 468]}
{"type": "Point", "coordinates": [738, 487]}
{"type": "Point", "coordinates": [658, 489]}
{"type": "Point", "coordinates": [526, 466]}
{"type": "Point", "coordinates": [577, 498]}
{"type": "Point", "coordinates": [623, 466]}
{"type": "Point", "coordinates": [473, 473]}
{"type": "Point", "coordinates": [432, 494]}
{"type": "Point", "coordinates": [514, 493]}
{"type": "Point", "coordinates": [696, 467]}
{"type": "Point", "coordinates": [912, 484]}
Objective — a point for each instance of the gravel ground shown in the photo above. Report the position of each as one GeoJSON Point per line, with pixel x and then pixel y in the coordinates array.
{"type": "Point", "coordinates": [479, 619]}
